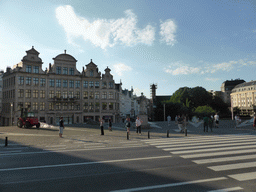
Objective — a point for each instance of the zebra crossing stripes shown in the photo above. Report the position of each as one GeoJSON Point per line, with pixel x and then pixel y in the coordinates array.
{"type": "Point", "coordinates": [201, 139]}
{"type": "Point", "coordinates": [218, 153]}
{"type": "Point", "coordinates": [200, 146]}
{"type": "Point", "coordinates": [227, 189]}
{"type": "Point", "coordinates": [214, 149]}
{"type": "Point", "coordinates": [231, 152]}
{"type": "Point", "coordinates": [244, 176]}
{"type": "Point", "coordinates": [224, 159]}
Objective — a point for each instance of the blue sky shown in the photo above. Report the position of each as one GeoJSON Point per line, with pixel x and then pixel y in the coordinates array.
{"type": "Point", "coordinates": [170, 43]}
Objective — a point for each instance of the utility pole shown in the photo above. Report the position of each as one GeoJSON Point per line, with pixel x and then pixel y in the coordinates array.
{"type": "Point", "coordinates": [164, 111]}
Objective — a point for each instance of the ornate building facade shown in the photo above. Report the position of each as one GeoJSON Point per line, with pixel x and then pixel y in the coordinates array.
{"type": "Point", "coordinates": [60, 90]}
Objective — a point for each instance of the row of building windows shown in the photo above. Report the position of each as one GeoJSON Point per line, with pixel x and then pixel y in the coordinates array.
{"type": "Point", "coordinates": [59, 70]}
{"type": "Point", "coordinates": [29, 69]}
{"type": "Point", "coordinates": [10, 82]}
{"type": "Point", "coordinates": [64, 94]}
{"type": "Point", "coordinates": [64, 71]}
{"type": "Point", "coordinates": [9, 94]}
{"type": "Point", "coordinates": [91, 107]}
{"type": "Point", "coordinates": [64, 83]}
{"type": "Point", "coordinates": [244, 89]}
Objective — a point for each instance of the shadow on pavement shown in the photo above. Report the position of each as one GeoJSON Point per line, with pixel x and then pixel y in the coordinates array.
{"type": "Point", "coordinates": [25, 168]}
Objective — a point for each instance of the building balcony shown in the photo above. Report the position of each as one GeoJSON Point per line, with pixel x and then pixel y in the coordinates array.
{"type": "Point", "coordinates": [64, 100]}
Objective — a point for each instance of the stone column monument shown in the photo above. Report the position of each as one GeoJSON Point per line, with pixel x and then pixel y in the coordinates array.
{"type": "Point", "coordinates": [143, 101]}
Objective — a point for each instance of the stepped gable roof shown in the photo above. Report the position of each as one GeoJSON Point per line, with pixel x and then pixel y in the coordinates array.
{"type": "Point", "coordinates": [32, 55]}
{"type": "Point", "coordinates": [245, 84]}
{"type": "Point", "coordinates": [91, 64]}
{"type": "Point", "coordinates": [65, 57]}
{"type": "Point", "coordinates": [107, 70]}
{"type": "Point", "coordinates": [32, 51]}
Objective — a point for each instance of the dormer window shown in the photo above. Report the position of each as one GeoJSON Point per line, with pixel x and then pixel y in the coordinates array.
{"type": "Point", "coordinates": [65, 70]}
{"type": "Point", "coordinates": [91, 73]}
{"type": "Point", "coordinates": [58, 70]}
{"type": "Point", "coordinates": [111, 85]}
{"type": "Point", "coordinates": [28, 68]}
{"type": "Point", "coordinates": [35, 69]}
{"type": "Point", "coordinates": [104, 85]}
{"type": "Point", "coordinates": [71, 71]}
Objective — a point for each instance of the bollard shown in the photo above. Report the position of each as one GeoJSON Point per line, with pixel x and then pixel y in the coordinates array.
{"type": "Point", "coordinates": [127, 135]}
{"type": "Point", "coordinates": [186, 132]}
{"type": "Point", "coordinates": [167, 133]}
{"type": "Point", "coordinates": [148, 134]}
{"type": "Point", "coordinates": [6, 141]}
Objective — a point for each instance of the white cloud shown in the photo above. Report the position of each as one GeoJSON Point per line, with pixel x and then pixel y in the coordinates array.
{"type": "Point", "coordinates": [211, 79]}
{"type": "Point", "coordinates": [226, 66]}
{"type": "Point", "coordinates": [104, 33]}
{"type": "Point", "coordinates": [251, 62]}
{"type": "Point", "coordinates": [179, 68]}
{"type": "Point", "coordinates": [183, 70]}
{"type": "Point", "coordinates": [120, 68]}
{"type": "Point", "coordinates": [167, 32]}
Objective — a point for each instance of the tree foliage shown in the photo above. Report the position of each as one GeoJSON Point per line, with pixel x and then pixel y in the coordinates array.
{"type": "Point", "coordinates": [204, 110]}
{"type": "Point", "coordinates": [186, 100]}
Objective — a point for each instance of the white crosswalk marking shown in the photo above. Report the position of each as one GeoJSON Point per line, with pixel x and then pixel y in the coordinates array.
{"type": "Point", "coordinates": [227, 189]}
{"type": "Point", "coordinates": [231, 152]}
{"type": "Point", "coordinates": [244, 176]}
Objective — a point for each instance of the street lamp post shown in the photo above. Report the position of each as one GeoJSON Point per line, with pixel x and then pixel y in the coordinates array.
{"type": "Point", "coordinates": [11, 113]}
{"type": "Point", "coordinates": [164, 111]}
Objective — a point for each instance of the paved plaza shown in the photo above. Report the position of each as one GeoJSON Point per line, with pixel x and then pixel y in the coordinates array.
{"type": "Point", "coordinates": [88, 134]}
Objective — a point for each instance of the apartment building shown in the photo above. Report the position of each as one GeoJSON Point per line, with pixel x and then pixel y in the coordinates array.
{"type": "Point", "coordinates": [243, 96]}
{"type": "Point", "coordinates": [1, 93]}
{"type": "Point", "coordinates": [60, 90]}
{"type": "Point", "coordinates": [226, 88]}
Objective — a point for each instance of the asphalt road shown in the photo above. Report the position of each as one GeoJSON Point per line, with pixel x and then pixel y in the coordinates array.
{"type": "Point", "coordinates": [38, 160]}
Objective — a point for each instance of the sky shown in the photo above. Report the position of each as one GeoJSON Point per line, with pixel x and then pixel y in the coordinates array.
{"type": "Point", "coordinates": [166, 42]}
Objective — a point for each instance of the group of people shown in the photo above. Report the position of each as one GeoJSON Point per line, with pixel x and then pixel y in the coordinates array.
{"type": "Point", "coordinates": [209, 121]}
{"type": "Point", "coordinates": [181, 120]}
{"type": "Point", "coordinates": [138, 123]}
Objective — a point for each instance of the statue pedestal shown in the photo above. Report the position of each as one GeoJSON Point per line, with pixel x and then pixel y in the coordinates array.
{"type": "Point", "coordinates": [144, 119]}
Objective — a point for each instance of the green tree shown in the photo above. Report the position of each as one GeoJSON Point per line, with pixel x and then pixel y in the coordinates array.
{"type": "Point", "coordinates": [204, 110]}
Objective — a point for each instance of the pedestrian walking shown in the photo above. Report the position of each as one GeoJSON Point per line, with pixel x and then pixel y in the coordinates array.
{"type": "Point", "coordinates": [169, 120]}
{"type": "Point", "coordinates": [206, 123]}
{"type": "Point", "coordinates": [211, 122]}
{"type": "Point", "coordinates": [101, 126]}
{"type": "Point", "coordinates": [180, 123]}
{"type": "Point", "coordinates": [254, 121]}
{"type": "Point", "coordinates": [238, 120]}
{"type": "Point", "coordinates": [138, 125]}
{"type": "Point", "coordinates": [61, 127]}
{"type": "Point", "coordinates": [216, 120]}
{"type": "Point", "coordinates": [176, 119]}
{"type": "Point", "coordinates": [128, 125]}
{"type": "Point", "coordinates": [109, 125]}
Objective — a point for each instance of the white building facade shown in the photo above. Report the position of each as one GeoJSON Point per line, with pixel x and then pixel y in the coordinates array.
{"type": "Point", "coordinates": [129, 104]}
